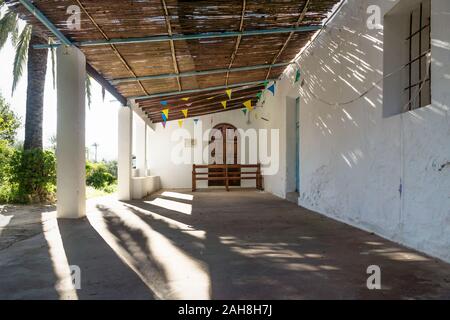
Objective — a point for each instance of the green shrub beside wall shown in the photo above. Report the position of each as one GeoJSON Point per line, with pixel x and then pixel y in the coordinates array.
{"type": "Point", "coordinates": [98, 176]}
{"type": "Point", "coordinates": [32, 176]}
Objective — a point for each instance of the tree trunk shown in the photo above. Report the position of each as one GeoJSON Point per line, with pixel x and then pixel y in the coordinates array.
{"type": "Point", "coordinates": [37, 69]}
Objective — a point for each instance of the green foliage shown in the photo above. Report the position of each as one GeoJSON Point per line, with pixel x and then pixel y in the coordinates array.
{"type": "Point", "coordinates": [9, 123]}
{"type": "Point", "coordinates": [21, 56]}
{"type": "Point", "coordinates": [8, 26]}
{"type": "Point", "coordinates": [112, 167]}
{"type": "Point", "coordinates": [6, 152]}
{"type": "Point", "coordinates": [30, 177]}
{"type": "Point", "coordinates": [98, 176]}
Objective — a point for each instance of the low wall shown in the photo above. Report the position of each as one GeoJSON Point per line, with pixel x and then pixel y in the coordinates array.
{"type": "Point", "coordinates": [143, 186]}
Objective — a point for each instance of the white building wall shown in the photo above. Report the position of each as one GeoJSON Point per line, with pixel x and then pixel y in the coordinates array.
{"type": "Point", "coordinates": [354, 161]}
{"type": "Point", "coordinates": [162, 143]}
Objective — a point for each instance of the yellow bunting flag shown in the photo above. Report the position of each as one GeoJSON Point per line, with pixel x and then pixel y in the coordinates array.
{"type": "Point", "coordinates": [166, 113]}
{"type": "Point", "coordinates": [248, 105]}
{"type": "Point", "coordinates": [185, 112]}
{"type": "Point", "coordinates": [224, 103]}
{"type": "Point", "coordinates": [229, 91]}
{"type": "Point", "coordinates": [185, 99]}
{"type": "Point", "coordinates": [180, 123]}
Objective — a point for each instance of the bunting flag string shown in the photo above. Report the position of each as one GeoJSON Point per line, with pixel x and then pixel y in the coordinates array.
{"type": "Point", "coordinates": [248, 105]}
{"type": "Point", "coordinates": [297, 76]}
{"type": "Point", "coordinates": [229, 93]}
{"type": "Point", "coordinates": [224, 104]}
{"type": "Point", "coordinates": [272, 89]}
{"type": "Point", "coordinates": [180, 123]}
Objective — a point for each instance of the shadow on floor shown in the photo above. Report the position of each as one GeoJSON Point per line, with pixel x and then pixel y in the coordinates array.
{"type": "Point", "coordinates": [103, 274]}
{"type": "Point", "coordinates": [25, 262]}
{"type": "Point", "coordinates": [255, 246]}
{"type": "Point", "coordinates": [211, 245]}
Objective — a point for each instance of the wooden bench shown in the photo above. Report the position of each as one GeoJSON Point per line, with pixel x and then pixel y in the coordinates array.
{"type": "Point", "coordinates": [225, 174]}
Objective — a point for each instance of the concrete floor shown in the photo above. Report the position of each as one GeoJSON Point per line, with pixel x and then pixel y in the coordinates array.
{"type": "Point", "coordinates": [237, 245]}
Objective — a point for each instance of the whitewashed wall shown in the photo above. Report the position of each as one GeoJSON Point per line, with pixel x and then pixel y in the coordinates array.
{"type": "Point", "coordinates": [161, 145]}
{"type": "Point", "coordinates": [354, 161]}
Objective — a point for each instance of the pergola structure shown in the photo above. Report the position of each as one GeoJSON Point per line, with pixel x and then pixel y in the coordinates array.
{"type": "Point", "coordinates": [179, 52]}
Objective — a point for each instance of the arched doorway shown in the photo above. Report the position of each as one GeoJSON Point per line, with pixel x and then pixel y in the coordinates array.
{"type": "Point", "coordinates": [224, 137]}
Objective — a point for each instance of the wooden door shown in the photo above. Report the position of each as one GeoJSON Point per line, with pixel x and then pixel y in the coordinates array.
{"type": "Point", "coordinates": [226, 151]}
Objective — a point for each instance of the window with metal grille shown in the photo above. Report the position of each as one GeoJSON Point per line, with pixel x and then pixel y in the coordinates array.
{"type": "Point", "coordinates": [407, 57]}
{"type": "Point", "coordinates": [418, 67]}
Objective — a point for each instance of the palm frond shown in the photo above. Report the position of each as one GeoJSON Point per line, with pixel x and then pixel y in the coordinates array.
{"type": "Point", "coordinates": [8, 26]}
{"type": "Point", "coordinates": [88, 90]}
{"type": "Point", "coordinates": [15, 35]}
{"type": "Point", "coordinates": [21, 55]}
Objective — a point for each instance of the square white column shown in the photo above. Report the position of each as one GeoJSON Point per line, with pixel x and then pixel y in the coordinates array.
{"type": "Point", "coordinates": [125, 140]}
{"type": "Point", "coordinates": [140, 145]}
{"type": "Point", "coordinates": [71, 114]}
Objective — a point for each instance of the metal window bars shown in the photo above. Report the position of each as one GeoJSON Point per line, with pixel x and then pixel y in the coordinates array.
{"type": "Point", "coordinates": [415, 64]}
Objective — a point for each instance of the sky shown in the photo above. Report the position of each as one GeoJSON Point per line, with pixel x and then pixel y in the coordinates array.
{"type": "Point", "coordinates": [101, 117]}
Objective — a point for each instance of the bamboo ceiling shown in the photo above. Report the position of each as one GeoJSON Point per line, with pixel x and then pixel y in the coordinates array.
{"type": "Point", "coordinates": [107, 19]}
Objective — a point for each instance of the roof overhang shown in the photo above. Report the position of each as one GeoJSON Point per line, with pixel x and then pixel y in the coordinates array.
{"type": "Point", "coordinates": [183, 53]}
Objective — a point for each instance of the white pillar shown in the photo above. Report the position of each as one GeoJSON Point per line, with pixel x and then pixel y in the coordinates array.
{"type": "Point", "coordinates": [70, 154]}
{"type": "Point", "coordinates": [125, 132]}
{"type": "Point", "coordinates": [140, 146]}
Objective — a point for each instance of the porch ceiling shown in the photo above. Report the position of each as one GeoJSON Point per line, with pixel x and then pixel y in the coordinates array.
{"type": "Point", "coordinates": [169, 67]}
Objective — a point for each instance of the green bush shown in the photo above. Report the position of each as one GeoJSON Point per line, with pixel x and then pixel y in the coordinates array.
{"type": "Point", "coordinates": [98, 176]}
{"type": "Point", "coordinates": [9, 123]}
{"type": "Point", "coordinates": [112, 167]}
{"type": "Point", "coordinates": [31, 176]}
{"type": "Point", "coordinates": [5, 157]}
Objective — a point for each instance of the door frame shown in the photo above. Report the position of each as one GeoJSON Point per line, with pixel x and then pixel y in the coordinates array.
{"type": "Point", "coordinates": [223, 127]}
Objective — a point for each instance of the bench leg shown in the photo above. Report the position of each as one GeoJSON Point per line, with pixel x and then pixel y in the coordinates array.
{"type": "Point", "coordinates": [227, 182]}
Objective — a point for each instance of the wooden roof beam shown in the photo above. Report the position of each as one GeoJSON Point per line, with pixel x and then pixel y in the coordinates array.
{"type": "Point", "coordinates": [172, 45]}
{"type": "Point", "coordinates": [204, 112]}
{"type": "Point", "coordinates": [243, 98]}
{"type": "Point", "coordinates": [113, 47]}
{"type": "Point", "coordinates": [217, 96]}
{"type": "Point", "coordinates": [185, 37]}
{"type": "Point", "coordinates": [165, 95]}
{"type": "Point", "coordinates": [300, 19]}
{"type": "Point", "coordinates": [238, 41]}
{"type": "Point", "coordinates": [66, 41]}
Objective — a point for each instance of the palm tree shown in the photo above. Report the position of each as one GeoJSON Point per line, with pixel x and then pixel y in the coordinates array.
{"type": "Point", "coordinates": [26, 54]}
{"type": "Point", "coordinates": [35, 59]}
